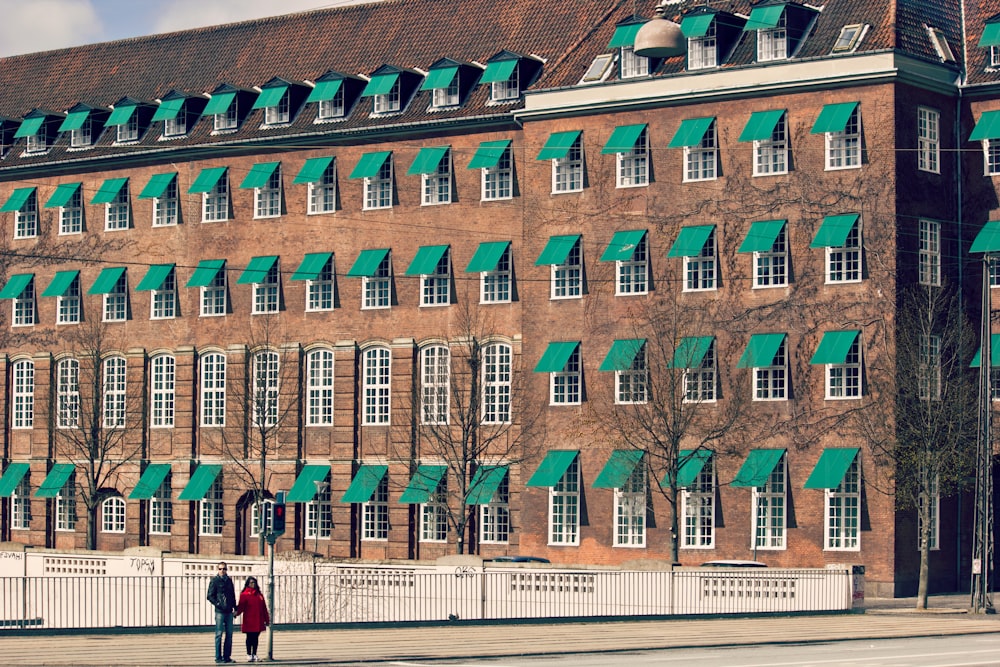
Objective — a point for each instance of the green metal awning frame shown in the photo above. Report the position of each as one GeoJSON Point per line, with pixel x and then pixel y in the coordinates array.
{"type": "Point", "coordinates": [557, 250]}
{"type": "Point", "coordinates": [368, 262]}
{"type": "Point", "coordinates": [304, 488]}
{"type": "Point", "coordinates": [690, 464]}
{"type": "Point", "coordinates": [106, 280]}
{"type": "Point", "coordinates": [990, 36]}
{"type": "Point", "coordinates": [150, 480]}
{"type": "Point", "coordinates": [833, 117]}
{"type": "Point", "coordinates": [761, 125]}
{"type": "Point", "coordinates": [623, 245]}
{"type": "Point", "coordinates": [311, 266]}
{"type": "Point", "coordinates": [201, 481]}
{"type": "Point", "coordinates": [153, 280]}
{"type": "Point", "coordinates": [207, 179]}
{"type": "Point", "coordinates": [204, 274]}
{"type": "Point", "coordinates": [690, 132]}
{"type": "Point", "coordinates": [259, 175]}
{"type": "Point", "coordinates": [764, 17]}
{"type": "Point", "coordinates": [428, 159]}
{"type": "Point", "coordinates": [63, 193]}
{"type": "Point", "coordinates": [484, 484]}
{"type": "Point", "coordinates": [17, 200]}
{"type": "Point", "coordinates": [55, 480]}
{"type": "Point", "coordinates": [29, 127]}
{"type": "Point", "coordinates": [257, 270]}
{"type": "Point", "coordinates": [558, 144]}
{"type": "Point", "coordinates": [488, 154]}
{"type": "Point", "coordinates": [121, 114]}
{"type": "Point", "coordinates": [618, 469]}
{"type": "Point", "coordinates": [169, 109]}
{"type": "Point", "coordinates": [270, 97]}
{"type": "Point", "coordinates": [370, 164]}
{"type": "Point", "coordinates": [757, 468]}
{"type": "Point", "coordinates": [691, 240]}
{"type": "Point", "coordinates": [75, 120]}
{"type": "Point", "coordinates": [380, 84]}
{"type": "Point", "coordinates": [994, 353]}
{"type": "Point", "coordinates": [16, 285]}
{"type": "Point", "coordinates": [988, 238]}
{"type": "Point", "coordinates": [219, 103]}
{"type": "Point", "coordinates": [760, 350]}
{"type": "Point", "coordinates": [438, 78]}
{"type": "Point", "coordinates": [426, 260]}
{"type": "Point", "coordinates": [109, 190]}
{"type": "Point", "coordinates": [624, 34]}
{"type": "Point", "coordinates": [364, 483]}
{"type": "Point", "coordinates": [834, 230]}
{"type": "Point", "coordinates": [624, 138]}
{"type": "Point", "coordinates": [313, 170]}
{"type": "Point", "coordinates": [556, 355]}
{"type": "Point", "coordinates": [691, 351]}
{"type": "Point", "coordinates": [622, 354]}
{"type": "Point", "coordinates": [831, 467]}
{"type": "Point", "coordinates": [762, 235]}
{"type": "Point", "coordinates": [12, 476]}
{"type": "Point", "coordinates": [423, 484]}
{"type": "Point", "coordinates": [325, 90]}
{"type": "Point", "coordinates": [157, 185]}
{"type": "Point", "coordinates": [60, 283]}
{"type": "Point", "coordinates": [834, 346]}
{"type": "Point", "coordinates": [499, 70]}
{"type": "Point", "coordinates": [553, 467]}
{"type": "Point", "coordinates": [697, 25]}
{"type": "Point", "coordinates": [487, 256]}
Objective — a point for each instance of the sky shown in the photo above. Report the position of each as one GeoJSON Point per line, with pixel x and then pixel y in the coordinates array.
{"type": "Point", "coordinates": [41, 25]}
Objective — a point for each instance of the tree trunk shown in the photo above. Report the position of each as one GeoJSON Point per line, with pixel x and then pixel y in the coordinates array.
{"type": "Point", "coordinates": [925, 533]}
{"type": "Point", "coordinates": [92, 516]}
{"type": "Point", "coordinates": [675, 557]}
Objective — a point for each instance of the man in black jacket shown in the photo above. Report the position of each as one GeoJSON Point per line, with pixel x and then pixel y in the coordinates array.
{"type": "Point", "coordinates": [222, 595]}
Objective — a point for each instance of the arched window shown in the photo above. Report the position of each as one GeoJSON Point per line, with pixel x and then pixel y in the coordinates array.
{"type": "Point", "coordinates": [435, 371]}
{"type": "Point", "coordinates": [265, 388]}
{"type": "Point", "coordinates": [113, 515]}
{"type": "Point", "coordinates": [162, 379]}
{"type": "Point", "coordinates": [114, 392]}
{"type": "Point", "coordinates": [319, 369]}
{"type": "Point", "coordinates": [24, 394]}
{"type": "Point", "coordinates": [213, 390]}
{"type": "Point", "coordinates": [68, 392]}
{"type": "Point", "coordinates": [376, 385]}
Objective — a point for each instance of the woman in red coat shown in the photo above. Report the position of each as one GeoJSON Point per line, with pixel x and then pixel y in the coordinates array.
{"type": "Point", "coordinates": [253, 607]}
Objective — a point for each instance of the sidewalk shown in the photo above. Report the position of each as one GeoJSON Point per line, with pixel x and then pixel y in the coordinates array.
{"type": "Point", "coordinates": [338, 646]}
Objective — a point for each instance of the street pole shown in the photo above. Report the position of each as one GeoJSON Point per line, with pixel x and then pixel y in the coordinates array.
{"type": "Point", "coordinates": [271, 537]}
{"type": "Point", "coordinates": [982, 546]}
{"type": "Point", "coordinates": [321, 485]}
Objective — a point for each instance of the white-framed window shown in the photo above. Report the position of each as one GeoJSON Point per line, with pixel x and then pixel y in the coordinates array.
{"type": "Point", "coordinates": [995, 56]}
{"type": "Point", "coordinates": [928, 140]}
{"type": "Point", "coordinates": [844, 380]}
{"type": "Point", "coordinates": [769, 505]}
{"type": "Point", "coordinates": [567, 278]}
{"type": "Point", "coordinates": [213, 295]}
{"type": "Point", "coordinates": [495, 285]}
{"type": "Point", "coordinates": [772, 43]}
{"type": "Point", "coordinates": [698, 509]}
{"type": "Point", "coordinates": [700, 383]}
{"type": "Point", "coordinates": [770, 268]}
{"type": "Point", "coordinates": [435, 288]}
{"type": "Point", "coordinates": [630, 510]}
{"type": "Point", "coordinates": [267, 293]}
{"type": "Point", "coordinates": [26, 218]}
{"type": "Point", "coordinates": [211, 510]}
{"type": "Point", "coordinates": [700, 162]}
{"type": "Point", "coordinates": [933, 499]}
{"type": "Point", "coordinates": [176, 126]}
{"type": "Point", "coordinates": [116, 211]}
{"type": "Point", "coordinates": [437, 185]}
{"type": "Point", "coordinates": [771, 154]}
{"type": "Point", "coordinates": [213, 389]}
{"type": "Point", "coordinates": [564, 507]}
{"type": "Point", "coordinates": [377, 288]}
{"type": "Point", "coordinates": [389, 102]}
{"type": "Point", "coordinates": [377, 376]}
{"type": "Point", "coordinates": [633, 165]}
{"type": "Point", "coordinates": [435, 381]}
{"type": "Point", "coordinates": [929, 260]}
{"type": "Point", "coordinates": [83, 136]}
{"type": "Point", "coordinates": [508, 89]}
{"type": "Point", "coordinates": [498, 180]}
{"type": "Point", "coordinates": [23, 391]}
{"type": "Point", "coordinates": [37, 143]}
{"type": "Point", "coordinates": [163, 380]}
{"type": "Point", "coordinates": [66, 506]}
{"type": "Point", "coordinates": [319, 513]}
{"type": "Point", "coordinates": [843, 149]}
{"type": "Point", "coordinates": [323, 192]}
{"type": "Point", "coordinates": [23, 306]}
{"type": "Point", "coordinates": [378, 188]}
{"type": "Point", "coordinates": [71, 214]}
{"type": "Point", "coordinates": [266, 384]}
{"type": "Point", "coordinates": [113, 396]}
{"type": "Point", "coordinates": [375, 513]}
{"type": "Point", "coordinates": [567, 171]}
{"type": "Point", "coordinates": [991, 157]}
{"type": "Point", "coordinates": [332, 108]}
{"type": "Point", "coordinates": [770, 383]}
{"type": "Point", "coordinates": [113, 515]}
{"type": "Point", "coordinates": [161, 509]}
{"type": "Point", "coordinates": [494, 517]}
{"type": "Point", "coordinates": [448, 96]}
{"type": "Point", "coordinates": [930, 367]}
{"type": "Point", "coordinates": [319, 389]}
{"type": "Point", "coordinates": [995, 383]}
{"type": "Point", "coordinates": [703, 51]}
{"type": "Point", "coordinates": [632, 274]}
{"type": "Point", "coordinates": [228, 119]}
{"type": "Point", "coordinates": [497, 379]}
{"type": "Point", "coordinates": [68, 304]}
{"type": "Point", "coordinates": [20, 504]}
{"type": "Point", "coordinates": [68, 392]}
{"type": "Point", "coordinates": [267, 199]}
{"type": "Point", "coordinates": [633, 66]}
{"type": "Point", "coordinates": [166, 206]}
{"type": "Point", "coordinates": [843, 512]}
{"type": "Point", "coordinates": [116, 301]}
{"type": "Point", "coordinates": [319, 290]}
{"type": "Point", "coordinates": [566, 384]}
{"type": "Point", "coordinates": [631, 384]}
{"type": "Point", "coordinates": [129, 130]}
{"type": "Point", "coordinates": [434, 514]}
{"type": "Point", "coordinates": [260, 518]}
{"type": "Point", "coordinates": [279, 113]}
{"type": "Point", "coordinates": [163, 299]}
{"type": "Point", "coordinates": [699, 271]}
{"type": "Point", "coordinates": [843, 264]}
{"type": "Point", "coordinates": [215, 202]}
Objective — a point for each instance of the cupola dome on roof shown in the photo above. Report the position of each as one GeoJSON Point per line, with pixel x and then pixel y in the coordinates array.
{"type": "Point", "coordinates": [660, 37]}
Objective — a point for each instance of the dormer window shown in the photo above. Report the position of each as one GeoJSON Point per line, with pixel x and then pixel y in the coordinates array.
{"type": "Point", "coordinates": [506, 89]}
{"type": "Point", "coordinates": [711, 37]}
{"type": "Point", "coordinates": [772, 43]}
{"type": "Point", "coordinates": [447, 96]}
{"type": "Point", "coordinates": [36, 144]}
{"type": "Point", "coordinates": [850, 37]}
{"type": "Point", "coordinates": [443, 82]}
{"type": "Point", "coordinates": [334, 94]}
{"type": "Point", "coordinates": [279, 99]}
{"type": "Point", "coordinates": [278, 113]}
{"type": "Point", "coordinates": [389, 101]}
{"type": "Point", "coordinates": [223, 107]}
{"type": "Point", "coordinates": [623, 39]}
{"type": "Point", "coordinates": [780, 28]}
{"type": "Point", "coordinates": [173, 112]}
{"type": "Point", "coordinates": [125, 118]}
{"type": "Point", "coordinates": [82, 136]}
{"type": "Point", "coordinates": [129, 130]}
{"type": "Point", "coordinates": [703, 51]}
{"type": "Point", "coordinates": [941, 45]}
{"type": "Point", "coordinates": [991, 38]}
{"type": "Point", "coordinates": [36, 129]}
{"type": "Point", "coordinates": [391, 89]}
{"type": "Point", "coordinates": [79, 124]}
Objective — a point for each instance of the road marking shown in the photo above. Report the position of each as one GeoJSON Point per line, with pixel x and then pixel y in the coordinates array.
{"type": "Point", "coordinates": [841, 661]}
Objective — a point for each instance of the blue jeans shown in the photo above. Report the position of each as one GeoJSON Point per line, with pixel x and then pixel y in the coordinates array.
{"type": "Point", "coordinates": [223, 628]}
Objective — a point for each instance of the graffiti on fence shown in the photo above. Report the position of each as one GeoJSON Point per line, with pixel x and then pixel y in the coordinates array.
{"type": "Point", "coordinates": [11, 555]}
{"type": "Point", "coordinates": [464, 571]}
{"type": "Point", "coordinates": [143, 564]}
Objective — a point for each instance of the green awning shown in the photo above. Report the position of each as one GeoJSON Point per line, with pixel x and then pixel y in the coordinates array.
{"type": "Point", "coordinates": [484, 484]}
{"type": "Point", "coordinates": [16, 285]}
{"type": "Point", "coordinates": [74, 120]}
{"type": "Point", "coordinates": [325, 90]}
{"type": "Point", "coordinates": [488, 154]}
{"type": "Point", "coordinates": [121, 115]}
{"type": "Point", "coordinates": [987, 127]}
{"type": "Point", "coordinates": [269, 97]}
{"type": "Point", "coordinates": [622, 354]}
{"type": "Point", "coordinates": [367, 263]}
{"type": "Point", "coordinates": [623, 245]}
{"type": "Point", "coordinates": [311, 266]}
{"type": "Point", "coordinates": [764, 18]}
{"type": "Point", "coordinates": [691, 132]}
{"type": "Point", "coordinates": [219, 103]}
{"type": "Point", "coordinates": [380, 84]}
{"type": "Point", "coordinates": [760, 127]}
{"type": "Point", "coordinates": [690, 241]}
{"type": "Point", "coordinates": [623, 139]}
{"type": "Point", "coordinates": [556, 355]}
{"type": "Point", "coordinates": [762, 235]}
{"type": "Point", "coordinates": [29, 127]}
{"type": "Point", "coordinates": [153, 280]}
{"type": "Point", "coordinates": [304, 488]}
{"type": "Point", "coordinates": [557, 249]}
{"type": "Point", "coordinates": [18, 198]}
{"type": "Point", "coordinates": [558, 145]}
{"type": "Point", "coordinates": [498, 70]}
{"type": "Point", "coordinates": [426, 260]}
{"type": "Point", "coordinates": [553, 467]}
{"type": "Point", "coordinates": [423, 484]}
{"type": "Point", "coordinates": [834, 231]}
{"type": "Point", "coordinates": [157, 185]}
{"type": "Point", "coordinates": [63, 194]}
{"type": "Point", "coordinates": [832, 466]}
{"type": "Point", "coordinates": [834, 347]}
{"type": "Point", "coordinates": [991, 36]}
{"type": "Point", "coordinates": [257, 270]}
{"type": "Point", "coordinates": [364, 483]}
{"type": "Point", "coordinates": [60, 283]}
{"type": "Point", "coordinates": [107, 280]}
{"type": "Point", "coordinates": [427, 160]}
{"type": "Point", "coordinates": [439, 78]}
{"type": "Point", "coordinates": [833, 117]}
{"type": "Point", "coordinates": [201, 481]}
{"type": "Point", "coordinates": [487, 256]}
{"type": "Point", "coordinates": [204, 274]}
{"type": "Point", "coordinates": [169, 109]}
{"type": "Point", "coordinates": [994, 353]}
{"type": "Point", "coordinates": [206, 180]}
{"type": "Point", "coordinates": [370, 164]}
{"type": "Point", "coordinates": [760, 350]}
{"type": "Point", "coordinates": [12, 476]}
{"type": "Point", "coordinates": [259, 175]}
{"type": "Point", "coordinates": [151, 479]}
{"type": "Point", "coordinates": [55, 480]}
{"type": "Point", "coordinates": [758, 467]}
{"type": "Point", "coordinates": [109, 190]}
{"type": "Point", "coordinates": [696, 26]}
{"type": "Point", "coordinates": [618, 469]}
{"type": "Point", "coordinates": [691, 351]}
{"type": "Point", "coordinates": [691, 463]}
{"type": "Point", "coordinates": [313, 170]}
{"type": "Point", "coordinates": [625, 35]}
{"type": "Point", "coordinates": [988, 238]}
